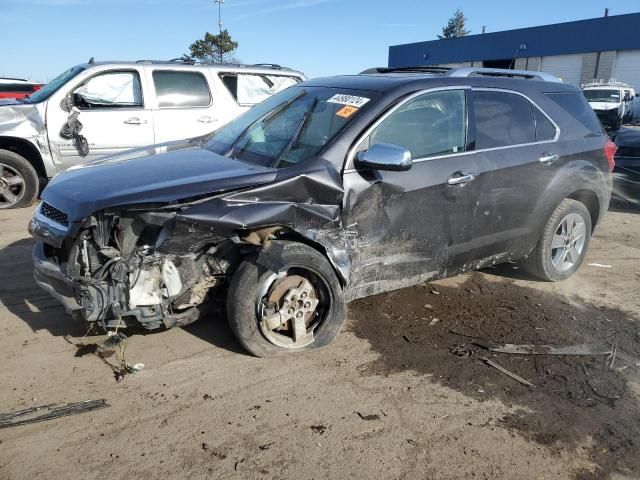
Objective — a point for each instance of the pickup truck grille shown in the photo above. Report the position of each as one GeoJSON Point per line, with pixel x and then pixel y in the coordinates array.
{"type": "Point", "coordinates": [54, 214]}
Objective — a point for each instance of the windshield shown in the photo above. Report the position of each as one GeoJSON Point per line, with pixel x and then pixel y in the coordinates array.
{"type": "Point", "coordinates": [289, 127]}
{"type": "Point", "coordinates": [608, 96]}
{"type": "Point", "coordinates": [53, 86]}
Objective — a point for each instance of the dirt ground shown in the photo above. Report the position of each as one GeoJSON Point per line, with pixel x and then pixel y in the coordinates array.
{"type": "Point", "coordinates": [398, 395]}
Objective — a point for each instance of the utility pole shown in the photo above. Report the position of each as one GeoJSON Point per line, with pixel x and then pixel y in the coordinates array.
{"type": "Point", "coordinates": [219, 2]}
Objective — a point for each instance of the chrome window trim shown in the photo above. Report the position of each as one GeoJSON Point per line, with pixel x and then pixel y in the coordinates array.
{"type": "Point", "coordinates": [350, 168]}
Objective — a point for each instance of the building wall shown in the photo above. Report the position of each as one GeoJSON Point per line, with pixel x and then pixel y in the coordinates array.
{"type": "Point", "coordinates": [616, 32]}
{"type": "Point", "coordinates": [623, 66]}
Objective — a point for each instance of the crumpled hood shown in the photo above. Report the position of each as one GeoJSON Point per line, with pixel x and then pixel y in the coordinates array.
{"type": "Point", "coordinates": [158, 174]}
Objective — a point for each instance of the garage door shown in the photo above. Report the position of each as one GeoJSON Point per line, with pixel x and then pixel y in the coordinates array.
{"type": "Point", "coordinates": [627, 68]}
{"type": "Point", "coordinates": [567, 67]}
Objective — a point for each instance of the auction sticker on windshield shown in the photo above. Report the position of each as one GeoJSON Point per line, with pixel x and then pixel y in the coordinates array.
{"type": "Point", "coordinates": [350, 100]}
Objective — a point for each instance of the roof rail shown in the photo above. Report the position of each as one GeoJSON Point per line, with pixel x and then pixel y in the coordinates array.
{"type": "Point", "coordinates": [165, 62]}
{"type": "Point", "coordinates": [414, 69]}
{"type": "Point", "coordinates": [608, 83]}
{"type": "Point", "coordinates": [502, 72]}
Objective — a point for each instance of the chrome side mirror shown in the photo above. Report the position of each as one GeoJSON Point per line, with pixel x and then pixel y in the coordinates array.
{"type": "Point", "coordinates": [385, 156]}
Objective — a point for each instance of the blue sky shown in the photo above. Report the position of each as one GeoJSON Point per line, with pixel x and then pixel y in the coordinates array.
{"type": "Point", "coordinates": [41, 38]}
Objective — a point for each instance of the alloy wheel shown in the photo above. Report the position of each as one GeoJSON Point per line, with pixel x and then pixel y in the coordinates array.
{"type": "Point", "coordinates": [12, 186]}
{"type": "Point", "coordinates": [567, 244]}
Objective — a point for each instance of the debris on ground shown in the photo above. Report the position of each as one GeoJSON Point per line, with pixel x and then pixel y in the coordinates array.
{"type": "Point", "coordinates": [586, 350]}
{"type": "Point", "coordinates": [368, 417]}
{"type": "Point", "coordinates": [566, 406]}
{"type": "Point", "coordinates": [318, 428]}
{"type": "Point", "coordinates": [48, 412]}
{"type": "Point", "coordinates": [116, 343]}
{"type": "Point", "coordinates": [600, 265]}
{"type": "Point", "coordinates": [507, 372]}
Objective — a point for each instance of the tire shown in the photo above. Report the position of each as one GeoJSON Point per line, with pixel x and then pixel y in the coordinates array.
{"type": "Point", "coordinates": [18, 181]}
{"type": "Point", "coordinates": [546, 259]}
{"type": "Point", "coordinates": [252, 282]}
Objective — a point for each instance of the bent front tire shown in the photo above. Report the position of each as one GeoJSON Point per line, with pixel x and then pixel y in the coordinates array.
{"type": "Point", "coordinates": [298, 308]}
{"type": "Point", "coordinates": [18, 181]}
{"type": "Point", "coordinates": [563, 244]}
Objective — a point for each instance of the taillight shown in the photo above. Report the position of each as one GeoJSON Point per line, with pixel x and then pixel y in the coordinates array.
{"type": "Point", "coordinates": [35, 88]}
{"type": "Point", "coordinates": [610, 151]}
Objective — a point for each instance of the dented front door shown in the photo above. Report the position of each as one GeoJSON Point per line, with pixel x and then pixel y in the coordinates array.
{"type": "Point", "coordinates": [406, 225]}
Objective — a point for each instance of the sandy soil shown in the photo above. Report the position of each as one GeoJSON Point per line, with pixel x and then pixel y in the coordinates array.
{"type": "Point", "coordinates": [396, 396]}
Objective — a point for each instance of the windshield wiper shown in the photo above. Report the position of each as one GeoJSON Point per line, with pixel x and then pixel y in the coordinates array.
{"type": "Point", "coordinates": [299, 129]}
{"type": "Point", "coordinates": [266, 118]}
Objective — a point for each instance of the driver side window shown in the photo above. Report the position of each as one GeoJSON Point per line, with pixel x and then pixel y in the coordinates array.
{"type": "Point", "coordinates": [109, 90]}
{"type": "Point", "coordinates": [429, 125]}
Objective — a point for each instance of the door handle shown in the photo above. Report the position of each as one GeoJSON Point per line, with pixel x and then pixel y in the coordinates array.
{"type": "Point", "coordinates": [134, 121]}
{"type": "Point", "coordinates": [207, 120]}
{"type": "Point", "coordinates": [460, 178]}
{"type": "Point", "coordinates": [549, 159]}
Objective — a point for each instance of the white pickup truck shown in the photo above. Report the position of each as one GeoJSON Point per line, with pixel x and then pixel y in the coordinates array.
{"type": "Point", "coordinates": [97, 109]}
{"type": "Point", "coordinates": [609, 101]}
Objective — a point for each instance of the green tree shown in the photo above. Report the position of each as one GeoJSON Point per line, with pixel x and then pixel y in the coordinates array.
{"type": "Point", "coordinates": [455, 27]}
{"type": "Point", "coordinates": [213, 48]}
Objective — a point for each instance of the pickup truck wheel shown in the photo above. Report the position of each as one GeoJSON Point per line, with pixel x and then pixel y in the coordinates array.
{"type": "Point", "coordinates": [18, 181]}
{"type": "Point", "coordinates": [300, 308]}
{"type": "Point", "coordinates": [564, 242]}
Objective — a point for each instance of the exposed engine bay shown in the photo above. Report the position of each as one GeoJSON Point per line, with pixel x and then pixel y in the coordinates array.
{"type": "Point", "coordinates": [127, 271]}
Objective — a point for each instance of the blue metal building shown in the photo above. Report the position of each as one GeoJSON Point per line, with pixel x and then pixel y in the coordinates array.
{"type": "Point", "coordinates": [578, 52]}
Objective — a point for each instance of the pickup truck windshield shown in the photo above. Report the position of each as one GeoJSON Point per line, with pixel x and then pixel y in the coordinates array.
{"type": "Point", "coordinates": [291, 126]}
{"type": "Point", "coordinates": [607, 96]}
{"type": "Point", "coordinates": [53, 86]}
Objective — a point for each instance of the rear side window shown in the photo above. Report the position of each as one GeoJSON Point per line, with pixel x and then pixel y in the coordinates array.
{"type": "Point", "coordinates": [250, 89]}
{"type": "Point", "coordinates": [181, 89]}
{"type": "Point", "coordinates": [544, 128]}
{"type": "Point", "coordinates": [502, 119]}
{"type": "Point", "coordinates": [576, 105]}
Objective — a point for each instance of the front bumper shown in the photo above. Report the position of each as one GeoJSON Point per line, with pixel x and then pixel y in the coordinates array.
{"type": "Point", "coordinates": [51, 279]}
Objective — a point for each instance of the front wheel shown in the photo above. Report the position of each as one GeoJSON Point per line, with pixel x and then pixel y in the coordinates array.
{"type": "Point", "coordinates": [563, 244]}
{"type": "Point", "coordinates": [18, 181]}
{"type": "Point", "coordinates": [299, 308]}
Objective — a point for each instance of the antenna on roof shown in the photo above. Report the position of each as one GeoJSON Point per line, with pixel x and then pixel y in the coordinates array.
{"type": "Point", "coordinates": [92, 60]}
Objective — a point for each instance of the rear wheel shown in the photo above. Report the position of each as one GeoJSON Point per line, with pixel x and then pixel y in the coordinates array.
{"type": "Point", "coordinates": [300, 308]}
{"type": "Point", "coordinates": [564, 242]}
{"type": "Point", "coordinates": [18, 181]}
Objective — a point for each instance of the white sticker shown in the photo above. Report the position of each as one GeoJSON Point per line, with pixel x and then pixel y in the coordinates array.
{"type": "Point", "coordinates": [350, 100]}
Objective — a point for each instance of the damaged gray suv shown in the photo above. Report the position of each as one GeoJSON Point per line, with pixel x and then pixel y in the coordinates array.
{"type": "Point", "coordinates": [332, 190]}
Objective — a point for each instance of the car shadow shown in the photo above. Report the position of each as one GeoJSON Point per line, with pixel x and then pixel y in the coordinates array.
{"type": "Point", "coordinates": [22, 297]}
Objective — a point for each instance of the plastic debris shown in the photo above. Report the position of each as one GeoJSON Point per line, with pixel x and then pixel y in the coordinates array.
{"type": "Point", "coordinates": [48, 412]}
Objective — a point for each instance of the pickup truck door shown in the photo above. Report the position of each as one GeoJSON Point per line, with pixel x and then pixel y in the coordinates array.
{"type": "Point", "coordinates": [112, 113]}
{"type": "Point", "coordinates": [184, 104]}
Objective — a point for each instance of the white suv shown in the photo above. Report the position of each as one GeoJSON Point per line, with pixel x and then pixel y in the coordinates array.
{"type": "Point", "coordinates": [609, 101]}
{"type": "Point", "coordinates": [96, 109]}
